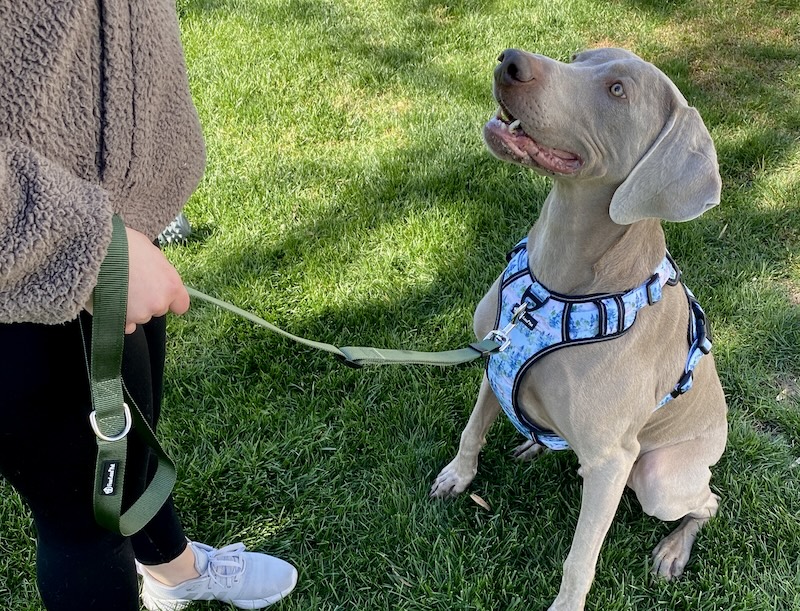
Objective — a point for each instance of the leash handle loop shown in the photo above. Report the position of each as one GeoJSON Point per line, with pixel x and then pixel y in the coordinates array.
{"type": "Point", "coordinates": [263, 323]}
{"type": "Point", "coordinates": [112, 418]}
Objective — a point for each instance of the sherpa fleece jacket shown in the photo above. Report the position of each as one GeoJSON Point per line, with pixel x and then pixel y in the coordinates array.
{"type": "Point", "coordinates": [95, 119]}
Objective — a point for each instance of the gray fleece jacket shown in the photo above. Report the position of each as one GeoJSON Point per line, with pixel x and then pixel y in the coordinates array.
{"type": "Point", "coordinates": [95, 119]}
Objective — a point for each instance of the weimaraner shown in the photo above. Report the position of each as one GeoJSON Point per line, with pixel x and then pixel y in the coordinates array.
{"type": "Point", "coordinates": [624, 151]}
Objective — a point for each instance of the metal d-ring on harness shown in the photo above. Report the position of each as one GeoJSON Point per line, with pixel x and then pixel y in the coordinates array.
{"type": "Point", "coordinates": [501, 335]}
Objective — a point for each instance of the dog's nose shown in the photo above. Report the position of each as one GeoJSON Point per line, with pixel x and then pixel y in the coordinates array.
{"type": "Point", "coordinates": [516, 67]}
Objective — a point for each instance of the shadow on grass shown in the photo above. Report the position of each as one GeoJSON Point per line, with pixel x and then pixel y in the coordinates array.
{"type": "Point", "coordinates": [739, 85]}
{"type": "Point", "coordinates": [407, 58]}
{"type": "Point", "coordinates": [315, 10]}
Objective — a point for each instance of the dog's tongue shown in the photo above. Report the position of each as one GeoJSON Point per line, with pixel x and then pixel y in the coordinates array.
{"type": "Point", "coordinates": [523, 146]}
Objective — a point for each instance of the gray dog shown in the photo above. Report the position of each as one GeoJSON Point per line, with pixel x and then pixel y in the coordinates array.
{"type": "Point", "coordinates": [604, 350]}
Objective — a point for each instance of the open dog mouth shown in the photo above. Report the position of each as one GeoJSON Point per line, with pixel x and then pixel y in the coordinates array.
{"type": "Point", "coordinates": [507, 139]}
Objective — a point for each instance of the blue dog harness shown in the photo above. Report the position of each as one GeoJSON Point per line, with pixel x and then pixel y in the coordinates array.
{"type": "Point", "coordinates": [533, 321]}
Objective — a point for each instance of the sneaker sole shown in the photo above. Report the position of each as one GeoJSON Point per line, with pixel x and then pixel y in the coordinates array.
{"type": "Point", "coordinates": [162, 604]}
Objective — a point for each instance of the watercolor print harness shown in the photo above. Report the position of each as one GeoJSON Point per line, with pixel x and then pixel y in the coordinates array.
{"type": "Point", "coordinates": [533, 322]}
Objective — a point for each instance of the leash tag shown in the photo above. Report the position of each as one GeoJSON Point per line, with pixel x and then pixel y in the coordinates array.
{"type": "Point", "coordinates": [108, 478]}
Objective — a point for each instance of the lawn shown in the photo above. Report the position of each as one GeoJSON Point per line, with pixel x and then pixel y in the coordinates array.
{"type": "Point", "coordinates": [349, 199]}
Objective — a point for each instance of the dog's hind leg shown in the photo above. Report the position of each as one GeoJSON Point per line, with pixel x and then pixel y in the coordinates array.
{"type": "Point", "coordinates": [672, 483]}
{"type": "Point", "coordinates": [458, 474]}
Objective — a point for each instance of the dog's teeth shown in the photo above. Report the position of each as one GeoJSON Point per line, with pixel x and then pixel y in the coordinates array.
{"type": "Point", "coordinates": [512, 127]}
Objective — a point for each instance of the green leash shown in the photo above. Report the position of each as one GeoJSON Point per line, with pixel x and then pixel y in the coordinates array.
{"type": "Point", "coordinates": [113, 417]}
{"type": "Point", "coordinates": [358, 356]}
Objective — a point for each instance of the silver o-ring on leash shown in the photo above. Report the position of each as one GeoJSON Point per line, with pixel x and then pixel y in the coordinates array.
{"type": "Point", "coordinates": [125, 430]}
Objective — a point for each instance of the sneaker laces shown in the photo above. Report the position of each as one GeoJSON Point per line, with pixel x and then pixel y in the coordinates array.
{"type": "Point", "coordinates": [225, 564]}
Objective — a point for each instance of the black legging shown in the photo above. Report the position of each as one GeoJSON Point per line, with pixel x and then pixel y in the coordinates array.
{"type": "Point", "coordinates": [47, 452]}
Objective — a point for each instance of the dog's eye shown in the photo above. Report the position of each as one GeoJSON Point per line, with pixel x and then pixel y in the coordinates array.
{"type": "Point", "coordinates": [617, 90]}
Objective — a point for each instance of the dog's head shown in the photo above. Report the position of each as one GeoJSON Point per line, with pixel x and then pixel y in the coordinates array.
{"type": "Point", "coordinates": [610, 117]}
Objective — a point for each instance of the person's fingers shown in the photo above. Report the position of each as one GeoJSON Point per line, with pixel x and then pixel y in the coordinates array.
{"type": "Point", "coordinates": [181, 303]}
{"type": "Point", "coordinates": [154, 285]}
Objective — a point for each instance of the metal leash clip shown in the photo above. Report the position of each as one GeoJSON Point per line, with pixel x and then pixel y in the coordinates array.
{"type": "Point", "coordinates": [501, 336]}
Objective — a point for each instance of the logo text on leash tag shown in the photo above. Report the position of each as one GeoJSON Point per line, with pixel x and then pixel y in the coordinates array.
{"type": "Point", "coordinates": [108, 481]}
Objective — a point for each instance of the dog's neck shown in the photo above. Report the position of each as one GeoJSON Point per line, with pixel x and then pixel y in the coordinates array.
{"type": "Point", "coordinates": [575, 248]}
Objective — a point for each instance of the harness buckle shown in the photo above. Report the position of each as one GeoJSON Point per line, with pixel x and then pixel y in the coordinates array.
{"type": "Point", "coordinates": [653, 289]}
{"type": "Point", "coordinates": [121, 435]}
{"type": "Point", "coordinates": [700, 328]}
{"type": "Point", "coordinates": [684, 384]}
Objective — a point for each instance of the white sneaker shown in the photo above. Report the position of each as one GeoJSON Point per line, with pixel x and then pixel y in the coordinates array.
{"type": "Point", "coordinates": [177, 231]}
{"type": "Point", "coordinates": [245, 579]}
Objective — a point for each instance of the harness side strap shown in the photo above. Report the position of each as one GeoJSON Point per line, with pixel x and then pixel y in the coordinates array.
{"type": "Point", "coordinates": [358, 356]}
{"type": "Point", "coordinates": [112, 417]}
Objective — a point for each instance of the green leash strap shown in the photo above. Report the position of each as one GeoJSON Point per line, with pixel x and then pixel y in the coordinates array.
{"type": "Point", "coordinates": [113, 418]}
{"type": "Point", "coordinates": [355, 356]}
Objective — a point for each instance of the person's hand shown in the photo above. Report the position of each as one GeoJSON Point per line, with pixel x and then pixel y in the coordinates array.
{"type": "Point", "coordinates": [154, 286]}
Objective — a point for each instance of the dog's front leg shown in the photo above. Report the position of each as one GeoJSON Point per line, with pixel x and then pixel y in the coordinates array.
{"type": "Point", "coordinates": [603, 485]}
{"type": "Point", "coordinates": [458, 474]}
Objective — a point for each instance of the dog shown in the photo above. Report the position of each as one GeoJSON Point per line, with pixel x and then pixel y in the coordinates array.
{"type": "Point", "coordinates": [641, 404]}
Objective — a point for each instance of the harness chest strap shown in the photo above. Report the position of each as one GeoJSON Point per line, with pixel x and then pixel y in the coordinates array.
{"type": "Point", "coordinates": [533, 322]}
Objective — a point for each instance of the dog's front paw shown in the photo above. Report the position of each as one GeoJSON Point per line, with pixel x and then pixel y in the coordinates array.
{"type": "Point", "coordinates": [453, 479]}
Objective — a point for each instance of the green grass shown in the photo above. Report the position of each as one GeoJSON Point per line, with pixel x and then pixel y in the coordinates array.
{"type": "Point", "coordinates": [348, 198]}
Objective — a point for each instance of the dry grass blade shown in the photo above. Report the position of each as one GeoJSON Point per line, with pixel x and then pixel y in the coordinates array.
{"type": "Point", "coordinates": [479, 501]}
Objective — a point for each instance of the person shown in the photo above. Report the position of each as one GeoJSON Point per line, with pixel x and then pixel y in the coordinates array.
{"type": "Point", "coordinates": [96, 119]}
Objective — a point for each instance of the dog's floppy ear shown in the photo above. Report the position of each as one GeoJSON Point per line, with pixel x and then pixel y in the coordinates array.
{"type": "Point", "coordinates": [678, 177]}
